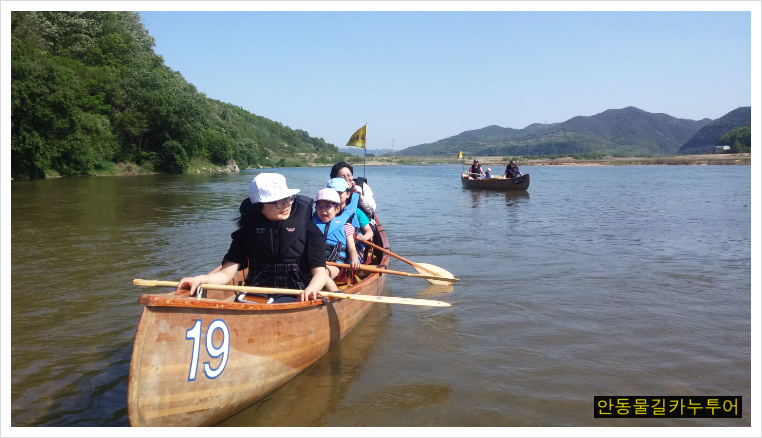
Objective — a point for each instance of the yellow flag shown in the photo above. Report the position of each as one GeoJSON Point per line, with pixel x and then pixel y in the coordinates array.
{"type": "Point", "coordinates": [358, 138]}
{"type": "Point", "coordinates": [460, 154]}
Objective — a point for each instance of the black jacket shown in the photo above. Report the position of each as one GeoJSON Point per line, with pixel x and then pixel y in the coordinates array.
{"type": "Point", "coordinates": [260, 243]}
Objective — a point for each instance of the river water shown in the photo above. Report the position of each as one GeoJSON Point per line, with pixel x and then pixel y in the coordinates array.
{"type": "Point", "coordinates": [631, 280]}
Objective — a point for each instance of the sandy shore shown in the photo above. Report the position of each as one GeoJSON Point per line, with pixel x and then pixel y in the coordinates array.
{"type": "Point", "coordinates": [497, 162]}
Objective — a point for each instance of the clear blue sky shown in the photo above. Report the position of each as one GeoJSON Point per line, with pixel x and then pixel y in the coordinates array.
{"type": "Point", "coordinates": [418, 77]}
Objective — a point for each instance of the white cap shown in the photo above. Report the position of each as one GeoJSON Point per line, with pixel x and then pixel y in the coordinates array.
{"type": "Point", "coordinates": [269, 187]}
{"type": "Point", "coordinates": [327, 194]}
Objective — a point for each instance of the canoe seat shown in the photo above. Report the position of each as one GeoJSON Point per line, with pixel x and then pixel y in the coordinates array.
{"type": "Point", "coordinates": [254, 299]}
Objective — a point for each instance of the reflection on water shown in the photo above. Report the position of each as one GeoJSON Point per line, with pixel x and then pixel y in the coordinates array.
{"type": "Point", "coordinates": [318, 391]}
{"type": "Point", "coordinates": [487, 198]}
{"type": "Point", "coordinates": [516, 196]}
{"type": "Point", "coordinates": [435, 290]}
{"type": "Point", "coordinates": [390, 403]}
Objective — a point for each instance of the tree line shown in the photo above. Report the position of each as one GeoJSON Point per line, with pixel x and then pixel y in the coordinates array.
{"type": "Point", "coordinates": [739, 140]}
{"type": "Point", "coordinates": [88, 91]}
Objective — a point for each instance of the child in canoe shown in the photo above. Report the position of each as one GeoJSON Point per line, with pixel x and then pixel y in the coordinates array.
{"type": "Point", "coordinates": [338, 228]}
{"type": "Point", "coordinates": [352, 204]}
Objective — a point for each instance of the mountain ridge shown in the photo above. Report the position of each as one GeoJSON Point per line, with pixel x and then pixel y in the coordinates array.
{"type": "Point", "coordinates": [710, 133]}
{"type": "Point", "coordinates": [629, 131]}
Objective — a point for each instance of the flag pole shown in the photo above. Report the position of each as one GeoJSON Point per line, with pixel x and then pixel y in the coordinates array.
{"type": "Point", "coordinates": [365, 156]}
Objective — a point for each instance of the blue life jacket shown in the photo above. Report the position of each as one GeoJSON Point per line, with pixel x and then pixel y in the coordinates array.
{"type": "Point", "coordinates": [350, 209]}
{"type": "Point", "coordinates": [335, 236]}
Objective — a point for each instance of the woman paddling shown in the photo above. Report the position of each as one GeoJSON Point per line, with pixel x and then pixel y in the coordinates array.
{"type": "Point", "coordinates": [276, 239]}
{"type": "Point", "coordinates": [512, 170]}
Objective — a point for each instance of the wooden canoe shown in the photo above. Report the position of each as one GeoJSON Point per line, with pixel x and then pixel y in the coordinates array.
{"type": "Point", "coordinates": [497, 183]}
{"type": "Point", "coordinates": [198, 361]}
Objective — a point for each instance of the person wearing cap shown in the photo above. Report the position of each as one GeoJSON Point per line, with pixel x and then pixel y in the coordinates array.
{"type": "Point", "coordinates": [488, 174]}
{"type": "Point", "coordinates": [475, 171]}
{"type": "Point", "coordinates": [348, 202]}
{"type": "Point", "coordinates": [512, 170]}
{"type": "Point", "coordinates": [276, 239]}
{"type": "Point", "coordinates": [350, 210]}
{"type": "Point", "coordinates": [338, 231]}
{"type": "Point", "coordinates": [365, 200]}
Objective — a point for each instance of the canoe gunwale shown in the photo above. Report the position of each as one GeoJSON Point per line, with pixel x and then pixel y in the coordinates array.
{"type": "Point", "coordinates": [183, 299]}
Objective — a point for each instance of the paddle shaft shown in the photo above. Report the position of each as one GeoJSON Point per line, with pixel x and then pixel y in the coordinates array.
{"type": "Point", "coordinates": [389, 271]}
{"type": "Point", "coordinates": [274, 290]}
{"type": "Point", "coordinates": [382, 249]}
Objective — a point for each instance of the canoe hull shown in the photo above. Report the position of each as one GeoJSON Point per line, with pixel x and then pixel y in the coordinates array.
{"type": "Point", "coordinates": [196, 362]}
{"type": "Point", "coordinates": [521, 183]}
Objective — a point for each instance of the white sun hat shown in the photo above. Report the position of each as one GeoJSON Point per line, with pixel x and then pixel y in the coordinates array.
{"type": "Point", "coordinates": [269, 187]}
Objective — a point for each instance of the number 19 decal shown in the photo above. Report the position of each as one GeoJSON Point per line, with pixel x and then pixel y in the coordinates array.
{"type": "Point", "coordinates": [223, 350]}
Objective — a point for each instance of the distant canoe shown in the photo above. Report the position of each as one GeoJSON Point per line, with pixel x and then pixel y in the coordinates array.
{"type": "Point", "coordinates": [496, 183]}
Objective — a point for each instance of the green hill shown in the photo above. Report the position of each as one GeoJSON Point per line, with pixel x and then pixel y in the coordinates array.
{"type": "Point", "coordinates": [88, 91]}
{"type": "Point", "coordinates": [706, 138]}
{"type": "Point", "coordinates": [616, 132]}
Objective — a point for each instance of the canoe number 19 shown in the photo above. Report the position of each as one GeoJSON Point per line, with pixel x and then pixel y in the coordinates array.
{"type": "Point", "coordinates": [215, 352]}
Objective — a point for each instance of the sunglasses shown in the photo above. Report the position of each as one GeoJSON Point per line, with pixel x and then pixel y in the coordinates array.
{"type": "Point", "coordinates": [280, 203]}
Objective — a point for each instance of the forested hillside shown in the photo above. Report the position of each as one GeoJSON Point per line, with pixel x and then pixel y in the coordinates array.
{"type": "Point", "coordinates": [708, 136]}
{"type": "Point", "coordinates": [627, 132]}
{"type": "Point", "coordinates": [88, 91]}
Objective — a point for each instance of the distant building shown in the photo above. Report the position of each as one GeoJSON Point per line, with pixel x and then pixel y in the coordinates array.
{"type": "Point", "coordinates": [720, 149]}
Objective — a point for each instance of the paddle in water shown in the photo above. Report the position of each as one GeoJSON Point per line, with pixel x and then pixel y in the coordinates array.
{"type": "Point", "coordinates": [422, 268]}
{"type": "Point", "coordinates": [370, 268]}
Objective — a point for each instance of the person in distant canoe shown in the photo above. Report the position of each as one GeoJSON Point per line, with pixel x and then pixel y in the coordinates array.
{"type": "Point", "coordinates": [359, 185]}
{"type": "Point", "coordinates": [512, 170]}
{"type": "Point", "coordinates": [488, 174]}
{"type": "Point", "coordinates": [276, 239]}
{"type": "Point", "coordinates": [475, 171]}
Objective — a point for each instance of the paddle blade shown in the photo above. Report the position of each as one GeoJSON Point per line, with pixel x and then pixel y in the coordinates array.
{"type": "Point", "coordinates": [437, 270]}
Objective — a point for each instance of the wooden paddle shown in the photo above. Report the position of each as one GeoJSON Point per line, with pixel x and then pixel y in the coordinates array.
{"type": "Point", "coordinates": [273, 290]}
{"type": "Point", "coordinates": [370, 268]}
{"type": "Point", "coordinates": [420, 267]}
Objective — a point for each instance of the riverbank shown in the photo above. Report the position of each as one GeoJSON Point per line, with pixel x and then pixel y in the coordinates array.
{"type": "Point", "coordinates": [129, 169]}
{"type": "Point", "coordinates": [487, 161]}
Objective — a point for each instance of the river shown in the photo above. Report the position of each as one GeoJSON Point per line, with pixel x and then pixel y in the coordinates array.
{"type": "Point", "coordinates": [599, 280]}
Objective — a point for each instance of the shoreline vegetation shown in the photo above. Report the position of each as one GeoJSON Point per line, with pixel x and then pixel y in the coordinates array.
{"type": "Point", "coordinates": [91, 97]}
{"type": "Point", "coordinates": [196, 167]}
{"type": "Point", "coordinates": [486, 161]}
